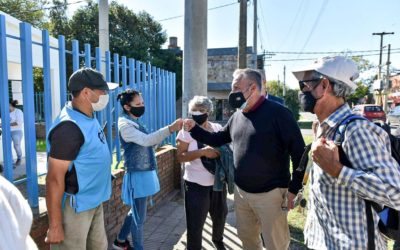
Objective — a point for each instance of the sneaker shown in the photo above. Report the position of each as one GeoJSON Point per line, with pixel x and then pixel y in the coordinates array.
{"type": "Point", "coordinates": [122, 245]}
{"type": "Point", "coordinates": [18, 162]}
{"type": "Point", "coordinates": [219, 245]}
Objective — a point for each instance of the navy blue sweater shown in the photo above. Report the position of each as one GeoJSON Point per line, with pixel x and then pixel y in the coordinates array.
{"type": "Point", "coordinates": [263, 140]}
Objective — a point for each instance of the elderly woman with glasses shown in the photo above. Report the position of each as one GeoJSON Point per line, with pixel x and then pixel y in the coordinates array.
{"type": "Point", "coordinates": [200, 199]}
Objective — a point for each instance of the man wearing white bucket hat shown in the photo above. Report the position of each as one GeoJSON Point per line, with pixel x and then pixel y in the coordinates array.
{"type": "Point", "coordinates": [345, 172]}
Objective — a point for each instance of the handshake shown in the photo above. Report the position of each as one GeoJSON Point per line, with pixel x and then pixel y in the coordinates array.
{"type": "Point", "coordinates": [186, 124]}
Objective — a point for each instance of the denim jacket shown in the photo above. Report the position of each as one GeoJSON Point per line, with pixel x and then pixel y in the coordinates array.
{"type": "Point", "coordinates": [137, 157]}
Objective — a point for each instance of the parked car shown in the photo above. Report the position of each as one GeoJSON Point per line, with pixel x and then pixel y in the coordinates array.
{"type": "Point", "coordinates": [372, 112]}
{"type": "Point", "coordinates": [393, 117]}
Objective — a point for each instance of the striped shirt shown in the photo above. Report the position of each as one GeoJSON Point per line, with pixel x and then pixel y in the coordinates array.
{"type": "Point", "coordinates": [336, 217]}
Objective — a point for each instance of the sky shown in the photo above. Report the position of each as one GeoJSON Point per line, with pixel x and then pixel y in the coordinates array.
{"type": "Point", "coordinates": [289, 26]}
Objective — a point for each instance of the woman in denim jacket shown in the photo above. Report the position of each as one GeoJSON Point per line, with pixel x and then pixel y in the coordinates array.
{"type": "Point", "coordinates": [140, 179]}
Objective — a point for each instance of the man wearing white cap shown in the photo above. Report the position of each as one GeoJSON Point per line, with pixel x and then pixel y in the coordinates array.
{"type": "Point", "coordinates": [341, 182]}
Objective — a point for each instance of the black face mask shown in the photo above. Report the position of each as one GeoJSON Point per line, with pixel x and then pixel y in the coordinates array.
{"type": "Point", "coordinates": [236, 99]}
{"type": "Point", "coordinates": [307, 101]}
{"type": "Point", "coordinates": [200, 119]}
{"type": "Point", "coordinates": [137, 111]}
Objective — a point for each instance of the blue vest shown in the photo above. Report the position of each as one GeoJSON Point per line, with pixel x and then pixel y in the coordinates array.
{"type": "Point", "coordinates": [93, 163]}
{"type": "Point", "coordinates": [138, 158]}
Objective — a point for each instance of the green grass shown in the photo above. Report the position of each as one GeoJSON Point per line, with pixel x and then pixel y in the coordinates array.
{"type": "Point", "coordinates": [41, 145]}
{"type": "Point", "coordinates": [304, 124]}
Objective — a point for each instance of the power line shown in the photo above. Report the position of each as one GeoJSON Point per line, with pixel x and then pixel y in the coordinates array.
{"type": "Point", "coordinates": [53, 7]}
{"type": "Point", "coordinates": [326, 52]}
{"type": "Point", "coordinates": [309, 59]}
{"type": "Point", "coordinates": [321, 11]}
{"type": "Point", "coordinates": [213, 8]}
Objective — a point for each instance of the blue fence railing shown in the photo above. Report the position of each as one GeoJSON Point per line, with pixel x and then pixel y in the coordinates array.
{"type": "Point", "coordinates": [156, 85]}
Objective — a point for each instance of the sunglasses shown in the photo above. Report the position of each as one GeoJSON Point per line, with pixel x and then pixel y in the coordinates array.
{"type": "Point", "coordinates": [309, 84]}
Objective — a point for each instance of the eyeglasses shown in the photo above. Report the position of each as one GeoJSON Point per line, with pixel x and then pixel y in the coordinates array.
{"type": "Point", "coordinates": [309, 84]}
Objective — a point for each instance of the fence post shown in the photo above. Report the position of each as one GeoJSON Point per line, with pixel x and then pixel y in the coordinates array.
{"type": "Point", "coordinates": [109, 108]}
{"type": "Point", "coordinates": [99, 115]}
{"type": "Point", "coordinates": [63, 70]}
{"type": "Point", "coordinates": [116, 107]}
{"type": "Point", "coordinates": [159, 103]}
{"type": "Point", "coordinates": [138, 80]}
{"type": "Point", "coordinates": [46, 81]}
{"type": "Point", "coordinates": [88, 58]}
{"type": "Point", "coordinates": [154, 94]}
{"type": "Point", "coordinates": [75, 55]}
{"type": "Point", "coordinates": [4, 104]}
{"type": "Point", "coordinates": [151, 101]}
{"type": "Point", "coordinates": [29, 113]}
{"type": "Point", "coordinates": [131, 72]}
{"type": "Point", "coordinates": [174, 104]}
{"type": "Point", "coordinates": [123, 73]}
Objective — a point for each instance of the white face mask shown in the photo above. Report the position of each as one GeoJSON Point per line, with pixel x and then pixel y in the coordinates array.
{"type": "Point", "coordinates": [101, 103]}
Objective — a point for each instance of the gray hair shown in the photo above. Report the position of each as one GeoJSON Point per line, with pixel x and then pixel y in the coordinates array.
{"type": "Point", "coordinates": [249, 74]}
{"type": "Point", "coordinates": [202, 103]}
{"type": "Point", "coordinates": [340, 89]}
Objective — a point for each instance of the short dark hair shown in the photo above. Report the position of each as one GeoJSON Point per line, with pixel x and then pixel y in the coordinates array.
{"type": "Point", "coordinates": [75, 93]}
{"type": "Point", "coordinates": [127, 97]}
{"type": "Point", "coordinates": [14, 103]}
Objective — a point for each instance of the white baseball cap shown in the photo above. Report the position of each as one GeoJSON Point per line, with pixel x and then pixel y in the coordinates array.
{"type": "Point", "coordinates": [338, 68]}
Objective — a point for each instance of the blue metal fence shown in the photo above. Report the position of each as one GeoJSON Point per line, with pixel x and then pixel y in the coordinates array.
{"type": "Point", "coordinates": [157, 86]}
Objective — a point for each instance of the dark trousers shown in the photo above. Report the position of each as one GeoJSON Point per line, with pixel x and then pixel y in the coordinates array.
{"type": "Point", "coordinates": [200, 200]}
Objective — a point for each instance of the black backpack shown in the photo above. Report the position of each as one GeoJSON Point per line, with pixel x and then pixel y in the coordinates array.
{"type": "Point", "coordinates": [389, 218]}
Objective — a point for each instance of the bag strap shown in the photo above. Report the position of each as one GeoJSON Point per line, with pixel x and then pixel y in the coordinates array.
{"type": "Point", "coordinates": [338, 138]}
{"type": "Point", "coordinates": [304, 158]}
{"type": "Point", "coordinates": [370, 226]}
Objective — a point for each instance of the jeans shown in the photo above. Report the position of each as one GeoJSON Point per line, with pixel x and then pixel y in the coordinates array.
{"type": "Point", "coordinates": [129, 225]}
{"type": "Point", "coordinates": [16, 137]}
{"type": "Point", "coordinates": [200, 200]}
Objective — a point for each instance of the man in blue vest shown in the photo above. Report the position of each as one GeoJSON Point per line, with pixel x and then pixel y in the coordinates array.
{"type": "Point", "coordinates": [79, 175]}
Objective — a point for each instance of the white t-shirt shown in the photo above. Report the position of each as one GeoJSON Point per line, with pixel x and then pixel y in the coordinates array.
{"type": "Point", "coordinates": [15, 218]}
{"type": "Point", "coordinates": [18, 117]}
{"type": "Point", "coordinates": [194, 170]}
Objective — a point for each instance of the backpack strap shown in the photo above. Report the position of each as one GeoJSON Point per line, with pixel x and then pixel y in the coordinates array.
{"type": "Point", "coordinates": [338, 139]}
{"type": "Point", "coordinates": [338, 136]}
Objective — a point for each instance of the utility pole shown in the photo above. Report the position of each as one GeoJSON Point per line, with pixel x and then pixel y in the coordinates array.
{"type": "Point", "coordinates": [242, 57]}
{"type": "Point", "coordinates": [380, 48]}
{"type": "Point", "coordinates": [255, 28]}
{"type": "Point", "coordinates": [284, 80]}
{"type": "Point", "coordinates": [195, 52]}
{"type": "Point", "coordinates": [104, 43]}
{"type": "Point", "coordinates": [386, 89]}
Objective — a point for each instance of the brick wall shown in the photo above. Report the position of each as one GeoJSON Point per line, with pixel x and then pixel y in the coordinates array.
{"type": "Point", "coordinates": [114, 209]}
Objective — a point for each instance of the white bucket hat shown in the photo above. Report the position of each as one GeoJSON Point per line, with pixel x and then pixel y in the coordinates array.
{"type": "Point", "coordinates": [337, 67]}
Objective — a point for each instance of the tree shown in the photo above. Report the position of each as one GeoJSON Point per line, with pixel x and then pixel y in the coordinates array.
{"type": "Point", "coordinates": [30, 11]}
{"type": "Point", "coordinates": [291, 97]}
{"type": "Point", "coordinates": [136, 36]}
{"type": "Point", "coordinates": [58, 18]}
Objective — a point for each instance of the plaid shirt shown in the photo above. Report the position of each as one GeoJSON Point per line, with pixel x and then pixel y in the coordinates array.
{"type": "Point", "coordinates": [336, 217]}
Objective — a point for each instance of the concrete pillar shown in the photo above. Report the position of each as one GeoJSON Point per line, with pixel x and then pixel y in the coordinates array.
{"type": "Point", "coordinates": [195, 52]}
{"type": "Point", "coordinates": [104, 43]}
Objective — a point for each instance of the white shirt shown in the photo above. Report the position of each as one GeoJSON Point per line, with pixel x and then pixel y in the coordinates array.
{"type": "Point", "coordinates": [18, 117]}
{"type": "Point", "coordinates": [15, 218]}
{"type": "Point", "coordinates": [194, 170]}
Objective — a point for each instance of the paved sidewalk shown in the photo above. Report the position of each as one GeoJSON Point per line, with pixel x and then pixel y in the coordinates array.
{"type": "Point", "coordinates": [165, 228]}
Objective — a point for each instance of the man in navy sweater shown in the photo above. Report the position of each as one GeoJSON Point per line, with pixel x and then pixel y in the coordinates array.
{"type": "Point", "coordinates": [264, 137]}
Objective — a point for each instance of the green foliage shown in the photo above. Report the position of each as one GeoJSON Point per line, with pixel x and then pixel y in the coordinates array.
{"type": "Point", "coordinates": [30, 11]}
{"type": "Point", "coordinates": [58, 24]}
{"type": "Point", "coordinates": [361, 92]}
{"type": "Point", "coordinates": [291, 97]}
